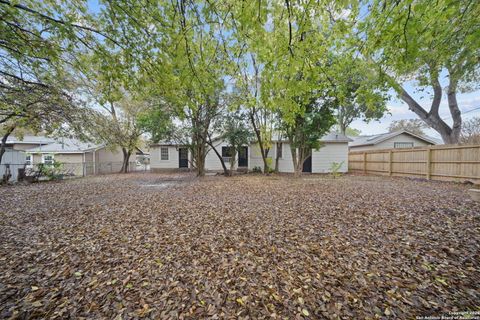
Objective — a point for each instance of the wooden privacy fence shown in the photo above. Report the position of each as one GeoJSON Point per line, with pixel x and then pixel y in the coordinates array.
{"type": "Point", "coordinates": [445, 162]}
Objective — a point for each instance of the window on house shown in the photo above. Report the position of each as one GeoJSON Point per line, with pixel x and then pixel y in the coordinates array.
{"type": "Point", "coordinates": [400, 145]}
{"type": "Point", "coordinates": [28, 160]}
{"type": "Point", "coordinates": [279, 150]}
{"type": "Point", "coordinates": [227, 152]}
{"type": "Point", "coordinates": [47, 159]}
{"type": "Point", "coordinates": [163, 153]}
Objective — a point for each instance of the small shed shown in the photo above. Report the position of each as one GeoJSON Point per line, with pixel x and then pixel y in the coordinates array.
{"type": "Point", "coordinates": [12, 160]}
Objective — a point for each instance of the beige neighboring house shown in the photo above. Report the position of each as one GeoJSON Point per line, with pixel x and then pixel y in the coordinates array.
{"type": "Point", "coordinates": [172, 156]}
{"type": "Point", "coordinates": [392, 140]}
{"type": "Point", "coordinates": [78, 158]}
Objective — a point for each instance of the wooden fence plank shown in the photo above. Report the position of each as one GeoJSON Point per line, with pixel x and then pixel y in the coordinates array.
{"type": "Point", "coordinates": [444, 162]}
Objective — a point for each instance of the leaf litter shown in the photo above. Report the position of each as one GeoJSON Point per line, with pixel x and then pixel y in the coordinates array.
{"type": "Point", "coordinates": [247, 247]}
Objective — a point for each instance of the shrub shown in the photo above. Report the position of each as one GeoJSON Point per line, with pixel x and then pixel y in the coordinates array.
{"type": "Point", "coordinates": [334, 169]}
{"type": "Point", "coordinates": [51, 171]}
{"type": "Point", "coordinates": [257, 169]}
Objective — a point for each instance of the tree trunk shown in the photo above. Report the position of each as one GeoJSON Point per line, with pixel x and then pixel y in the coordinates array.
{"type": "Point", "coordinates": [276, 161]}
{"type": "Point", "coordinates": [456, 114]}
{"type": "Point", "coordinates": [200, 158]}
{"type": "Point", "coordinates": [432, 118]}
{"type": "Point", "coordinates": [126, 159]}
{"type": "Point", "coordinates": [295, 152]}
{"type": "Point", "coordinates": [4, 140]}
{"type": "Point", "coordinates": [225, 170]}
{"type": "Point", "coordinates": [263, 151]}
{"type": "Point", "coordinates": [300, 160]}
{"type": "Point", "coordinates": [232, 162]}
{"type": "Point", "coordinates": [200, 166]}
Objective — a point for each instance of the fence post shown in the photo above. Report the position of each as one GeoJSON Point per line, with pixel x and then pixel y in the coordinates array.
{"type": "Point", "coordinates": [429, 163]}
{"type": "Point", "coordinates": [364, 162]}
{"type": "Point", "coordinates": [390, 156]}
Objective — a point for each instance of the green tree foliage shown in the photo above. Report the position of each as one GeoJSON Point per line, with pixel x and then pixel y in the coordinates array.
{"type": "Point", "coordinates": [361, 95]}
{"type": "Point", "coordinates": [37, 40]}
{"type": "Point", "coordinates": [305, 131]}
{"type": "Point", "coordinates": [430, 43]}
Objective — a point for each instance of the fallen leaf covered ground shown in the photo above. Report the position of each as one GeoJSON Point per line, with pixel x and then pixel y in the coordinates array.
{"type": "Point", "coordinates": [249, 247]}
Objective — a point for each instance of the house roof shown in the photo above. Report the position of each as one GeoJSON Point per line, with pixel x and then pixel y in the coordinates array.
{"type": "Point", "coordinates": [330, 137]}
{"type": "Point", "coordinates": [335, 137]}
{"type": "Point", "coordinates": [65, 146]}
{"type": "Point", "coordinates": [30, 140]}
{"type": "Point", "coordinates": [375, 139]}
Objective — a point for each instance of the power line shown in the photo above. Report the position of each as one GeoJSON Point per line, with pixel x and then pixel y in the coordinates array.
{"type": "Point", "coordinates": [477, 108]}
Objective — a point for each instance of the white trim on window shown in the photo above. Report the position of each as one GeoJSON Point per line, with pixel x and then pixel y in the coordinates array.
{"type": "Point", "coordinates": [164, 154]}
{"type": "Point", "coordinates": [48, 161]}
{"type": "Point", "coordinates": [29, 159]}
{"type": "Point", "coordinates": [401, 145]}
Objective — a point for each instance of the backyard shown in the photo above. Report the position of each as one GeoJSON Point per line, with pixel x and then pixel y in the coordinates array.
{"type": "Point", "coordinates": [175, 246]}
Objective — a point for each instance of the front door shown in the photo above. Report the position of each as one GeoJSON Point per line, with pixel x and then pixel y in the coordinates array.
{"type": "Point", "coordinates": [183, 158]}
{"type": "Point", "coordinates": [307, 164]}
{"type": "Point", "coordinates": [243, 157]}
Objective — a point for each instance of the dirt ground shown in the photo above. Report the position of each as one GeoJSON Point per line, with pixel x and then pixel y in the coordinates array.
{"type": "Point", "coordinates": [173, 246]}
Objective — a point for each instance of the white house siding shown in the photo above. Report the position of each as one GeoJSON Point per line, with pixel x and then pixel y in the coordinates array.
{"type": "Point", "coordinates": [321, 160]}
{"type": "Point", "coordinates": [330, 152]}
{"type": "Point", "coordinates": [285, 163]}
{"type": "Point", "coordinates": [157, 163]}
{"type": "Point", "coordinates": [15, 159]}
{"type": "Point", "coordinates": [212, 162]}
{"type": "Point", "coordinates": [389, 143]}
{"type": "Point", "coordinates": [255, 157]}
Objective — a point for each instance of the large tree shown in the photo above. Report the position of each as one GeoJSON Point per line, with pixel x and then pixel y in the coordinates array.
{"type": "Point", "coordinates": [38, 39]}
{"type": "Point", "coordinates": [361, 93]}
{"type": "Point", "coordinates": [306, 129]}
{"type": "Point", "coordinates": [435, 45]}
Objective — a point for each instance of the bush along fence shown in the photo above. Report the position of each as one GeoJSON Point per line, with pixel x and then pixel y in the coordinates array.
{"type": "Point", "coordinates": [36, 172]}
{"type": "Point", "coordinates": [445, 162]}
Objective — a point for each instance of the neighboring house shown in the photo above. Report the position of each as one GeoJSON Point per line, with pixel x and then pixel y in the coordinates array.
{"type": "Point", "coordinates": [391, 140]}
{"type": "Point", "coordinates": [27, 142]}
{"type": "Point", "coordinates": [171, 156]}
{"type": "Point", "coordinates": [78, 158]}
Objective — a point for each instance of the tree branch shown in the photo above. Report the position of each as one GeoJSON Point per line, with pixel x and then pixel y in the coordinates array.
{"type": "Point", "coordinates": [48, 18]}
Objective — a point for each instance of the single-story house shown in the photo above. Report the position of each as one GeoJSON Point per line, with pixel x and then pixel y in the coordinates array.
{"type": "Point", "coordinates": [78, 158]}
{"type": "Point", "coordinates": [391, 140]}
{"type": "Point", "coordinates": [172, 156]}
{"type": "Point", "coordinates": [27, 142]}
